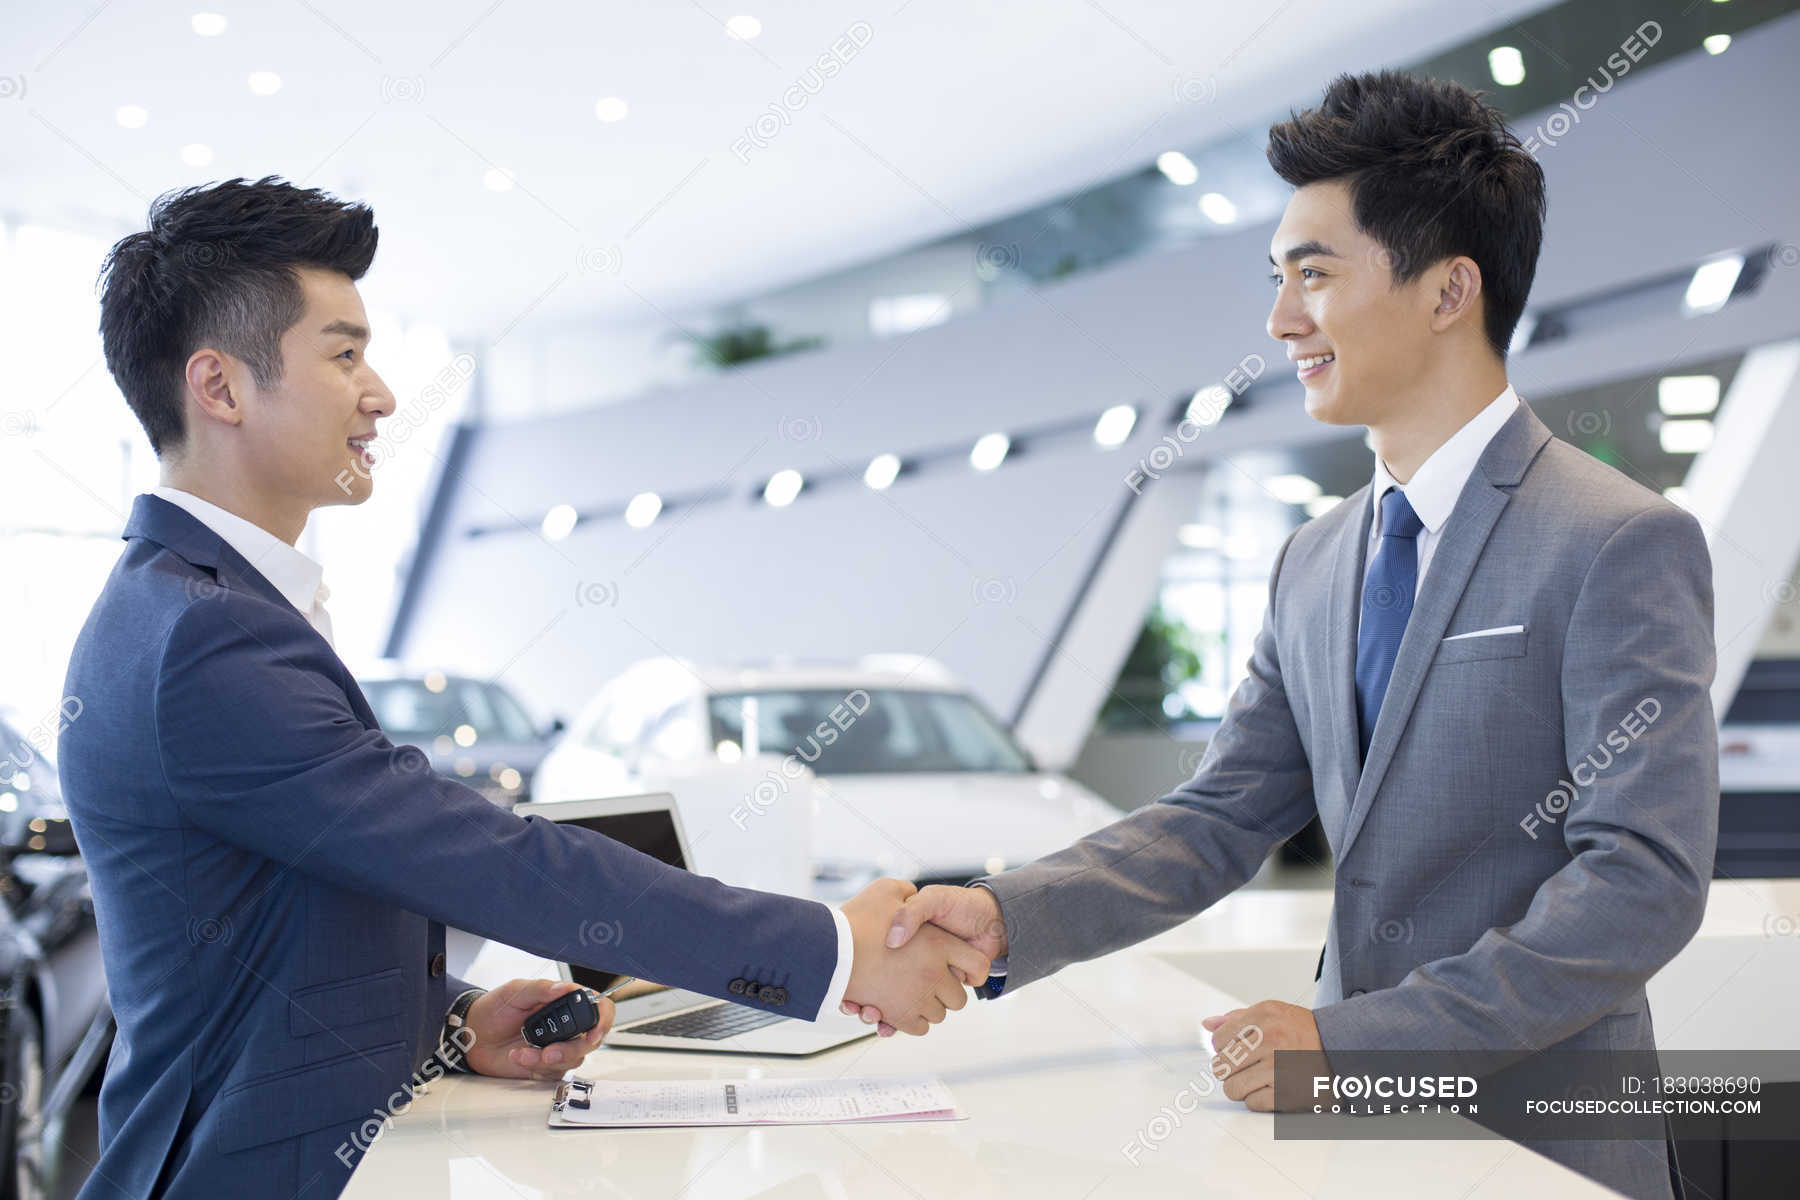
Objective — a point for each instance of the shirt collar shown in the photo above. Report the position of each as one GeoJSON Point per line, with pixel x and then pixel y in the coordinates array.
{"type": "Point", "coordinates": [1435, 486]}
{"type": "Point", "coordinates": [299, 579]}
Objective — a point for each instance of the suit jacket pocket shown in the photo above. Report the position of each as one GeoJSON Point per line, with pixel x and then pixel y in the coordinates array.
{"type": "Point", "coordinates": [328, 1006]}
{"type": "Point", "coordinates": [290, 1103]}
{"type": "Point", "coordinates": [1497, 645]}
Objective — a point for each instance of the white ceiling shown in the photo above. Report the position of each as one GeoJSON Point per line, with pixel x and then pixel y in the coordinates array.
{"type": "Point", "coordinates": [950, 115]}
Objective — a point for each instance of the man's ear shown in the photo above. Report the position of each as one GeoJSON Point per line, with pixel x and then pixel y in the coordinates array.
{"type": "Point", "coordinates": [209, 383]}
{"type": "Point", "coordinates": [1457, 293]}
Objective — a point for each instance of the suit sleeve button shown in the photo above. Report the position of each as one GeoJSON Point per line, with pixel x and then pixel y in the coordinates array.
{"type": "Point", "coordinates": [752, 990]}
{"type": "Point", "coordinates": [437, 965]}
{"type": "Point", "coordinates": [736, 987]}
{"type": "Point", "coordinates": [776, 996]}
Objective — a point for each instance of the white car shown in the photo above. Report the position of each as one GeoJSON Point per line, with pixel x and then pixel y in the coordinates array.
{"type": "Point", "coordinates": [909, 775]}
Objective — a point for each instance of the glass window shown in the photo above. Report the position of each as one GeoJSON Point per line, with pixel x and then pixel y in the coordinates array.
{"type": "Point", "coordinates": [410, 711]}
{"type": "Point", "coordinates": [867, 732]}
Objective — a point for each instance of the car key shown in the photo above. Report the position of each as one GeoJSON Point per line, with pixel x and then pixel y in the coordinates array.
{"type": "Point", "coordinates": [568, 1016]}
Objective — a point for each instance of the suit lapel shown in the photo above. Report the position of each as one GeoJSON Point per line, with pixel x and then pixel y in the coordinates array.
{"type": "Point", "coordinates": [1341, 619]}
{"type": "Point", "coordinates": [1460, 543]}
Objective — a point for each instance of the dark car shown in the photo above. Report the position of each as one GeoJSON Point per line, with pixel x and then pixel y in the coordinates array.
{"type": "Point", "coordinates": [473, 730]}
{"type": "Point", "coordinates": [58, 1024]}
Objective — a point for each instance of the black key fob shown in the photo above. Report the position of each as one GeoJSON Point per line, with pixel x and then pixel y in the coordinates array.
{"type": "Point", "coordinates": [563, 1018]}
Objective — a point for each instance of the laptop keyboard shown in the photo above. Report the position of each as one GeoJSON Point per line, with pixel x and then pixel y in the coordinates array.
{"type": "Point", "coordinates": [713, 1023]}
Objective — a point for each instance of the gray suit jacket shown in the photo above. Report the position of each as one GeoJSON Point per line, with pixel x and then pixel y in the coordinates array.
{"type": "Point", "coordinates": [1532, 836]}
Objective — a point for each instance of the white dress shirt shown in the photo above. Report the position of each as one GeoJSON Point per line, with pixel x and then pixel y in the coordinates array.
{"type": "Point", "coordinates": [1435, 486]}
{"type": "Point", "coordinates": [301, 581]}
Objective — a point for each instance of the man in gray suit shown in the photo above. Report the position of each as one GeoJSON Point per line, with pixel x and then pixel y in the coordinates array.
{"type": "Point", "coordinates": [1487, 672]}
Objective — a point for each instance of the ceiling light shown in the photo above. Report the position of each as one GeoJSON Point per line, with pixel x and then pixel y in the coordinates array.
{"type": "Point", "coordinates": [611, 108]}
{"type": "Point", "coordinates": [498, 179]}
{"type": "Point", "coordinates": [1292, 489]}
{"type": "Point", "coordinates": [643, 510]}
{"type": "Point", "coordinates": [1178, 167]}
{"type": "Point", "coordinates": [883, 469]}
{"type": "Point", "coordinates": [743, 28]}
{"type": "Point", "coordinates": [1209, 404]}
{"type": "Point", "coordinates": [1218, 208]}
{"type": "Point", "coordinates": [1685, 437]}
{"type": "Point", "coordinates": [1711, 285]}
{"type": "Point", "coordinates": [1687, 395]}
{"type": "Point", "coordinates": [1114, 425]}
{"type": "Point", "coordinates": [209, 24]}
{"type": "Point", "coordinates": [782, 487]}
{"type": "Point", "coordinates": [196, 155]}
{"type": "Point", "coordinates": [132, 116]}
{"type": "Point", "coordinates": [1506, 65]}
{"type": "Point", "coordinates": [265, 83]}
{"type": "Point", "coordinates": [1718, 43]}
{"type": "Point", "coordinates": [1318, 506]}
{"type": "Point", "coordinates": [990, 451]}
{"type": "Point", "coordinates": [464, 735]}
{"type": "Point", "coordinates": [435, 682]}
{"type": "Point", "coordinates": [558, 522]}
{"type": "Point", "coordinates": [1199, 537]}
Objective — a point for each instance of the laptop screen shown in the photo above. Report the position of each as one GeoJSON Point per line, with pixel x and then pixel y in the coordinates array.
{"type": "Point", "coordinates": [654, 834]}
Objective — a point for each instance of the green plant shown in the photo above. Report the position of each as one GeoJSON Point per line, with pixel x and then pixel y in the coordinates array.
{"type": "Point", "coordinates": [744, 342]}
{"type": "Point", "coordinates": [1162, 659]}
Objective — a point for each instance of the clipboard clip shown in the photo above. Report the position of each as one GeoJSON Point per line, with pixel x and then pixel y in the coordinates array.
{"type": "Point", "coordinates": [572, 1093]}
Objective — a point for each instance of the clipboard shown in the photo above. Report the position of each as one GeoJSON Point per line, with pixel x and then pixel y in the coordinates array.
{"type": "Point", "coordinates": [696, 1103]}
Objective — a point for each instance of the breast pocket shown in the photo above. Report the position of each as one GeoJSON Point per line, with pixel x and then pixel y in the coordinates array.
{"type": "Point", "coordinates": [1455, 649]}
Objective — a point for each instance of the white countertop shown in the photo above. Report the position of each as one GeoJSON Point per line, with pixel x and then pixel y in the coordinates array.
{"type": "Point", "coordinates": [1056, 1081]}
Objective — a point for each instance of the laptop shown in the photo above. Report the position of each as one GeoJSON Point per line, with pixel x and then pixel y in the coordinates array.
{"type": "Point", "coordinates": [671, 1018]}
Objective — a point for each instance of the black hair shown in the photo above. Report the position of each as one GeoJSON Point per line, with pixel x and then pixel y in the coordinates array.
{"type": "Point", "coordinates": [217, 267]}
{"type": "Point", "coordinates": [1433, 173]}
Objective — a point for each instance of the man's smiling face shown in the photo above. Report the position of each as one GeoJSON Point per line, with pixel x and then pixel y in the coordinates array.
{"type": "Point", "coordinates": [1359, 342]}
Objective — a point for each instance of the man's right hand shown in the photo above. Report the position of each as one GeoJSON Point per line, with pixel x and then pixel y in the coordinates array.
{"type": "Point", "coordinates": [914, 986]}
{"type": "Point", "coordinates": [971, 913]}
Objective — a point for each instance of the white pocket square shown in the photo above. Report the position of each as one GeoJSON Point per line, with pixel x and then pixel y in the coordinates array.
{"type": "Point", "coordinates": [1457, 637]}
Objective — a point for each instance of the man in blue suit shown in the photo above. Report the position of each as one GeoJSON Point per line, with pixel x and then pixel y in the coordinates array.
{"type": "Point", "coordinates": [271, 875]}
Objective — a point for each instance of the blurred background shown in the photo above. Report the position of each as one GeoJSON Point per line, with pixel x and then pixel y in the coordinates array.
{"type": "Point", "coordinates": [900, 370]}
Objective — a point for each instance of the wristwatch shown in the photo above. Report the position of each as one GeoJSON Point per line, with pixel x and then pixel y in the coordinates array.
{"type": "Point", "coordinates": [450, 1048]}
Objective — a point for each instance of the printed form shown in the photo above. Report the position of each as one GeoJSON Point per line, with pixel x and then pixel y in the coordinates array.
{"type": "Point", "coordinates": [624, 1104]}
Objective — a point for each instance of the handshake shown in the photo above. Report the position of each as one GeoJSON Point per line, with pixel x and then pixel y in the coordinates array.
{"type": "Point", "coordinates": [915, 951]}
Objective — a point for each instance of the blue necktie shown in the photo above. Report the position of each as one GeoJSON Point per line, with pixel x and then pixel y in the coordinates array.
{"type": "Point", "coordinates": [1387, 602]}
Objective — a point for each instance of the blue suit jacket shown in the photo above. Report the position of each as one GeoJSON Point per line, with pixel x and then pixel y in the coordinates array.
{"type": "Point", "coordinates": [271, 877]}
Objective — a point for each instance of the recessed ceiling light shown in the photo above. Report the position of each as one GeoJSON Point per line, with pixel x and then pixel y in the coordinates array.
{"type": "Point", "coordinates": [1218, 208]}
{"type": "Point", "coordinates": [209, 24]}
{"type": "Point", "coordinates": [1199, 537]}
{"type": "Point", "coordinates": [265, 83]}
{"type": "Point", "coordinates": [1114, 425]}
{"type": "Point", "coordinates": [1506, 65]}
{"type": "Point", "coordinates": [643, 510]}
{"type": "Point", "coordinates": [1685, 437]}
{"type": "Point", "coordinates": [1687, 395]}
{"type": "Point", "coordinates": [558, 523]}
{"type": "Point", "coordinates": [1292, 489]}
{"type": "Point", "coordinates": [132, 116]}
{"type": "Point", "coordinates": [782, 487]}
{"type": "Point", "coordinates": [1712, 283]}
{"type": "Point", "coordinates": [1179, 168]}
{"type": "Point", "coordinates": [1209, 404]}
{"type": "Point", "coordinates": [497, 179]}
{"type": "Point", "coordinates": [611, 108]}
{"type": "Point", "coordinates": [1718, 43]}
{"type": "Point", "coordinates": [195, 154]}
{"type": "Point", "coordinates": [990, 451]}
{"type": "Point", "coordinates": [743, 28]}
{"type": "Point", "coordinates": [883, 469]}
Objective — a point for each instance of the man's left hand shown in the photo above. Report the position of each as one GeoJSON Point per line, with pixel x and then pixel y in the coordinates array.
{"type": "Point", "coordinates": [1246, 1040]}
{"type": "Point", "coordinates": [497, 1019]}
